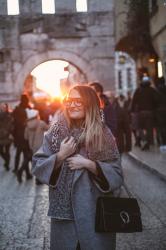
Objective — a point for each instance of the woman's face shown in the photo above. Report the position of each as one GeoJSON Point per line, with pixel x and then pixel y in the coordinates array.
{"type": "Point", "coordinates": [75, 105]}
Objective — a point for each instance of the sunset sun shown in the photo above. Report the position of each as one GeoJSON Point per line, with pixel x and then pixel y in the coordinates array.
{"type": "Point", "coordinates": [48, 76]}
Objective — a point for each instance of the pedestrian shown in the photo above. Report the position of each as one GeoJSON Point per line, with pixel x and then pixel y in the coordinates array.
{"type": "Point", "coordinates": [121, 100]}
{"type": "Point", "coordinates": [79, 161]}
{"type": "Point", "coordinates": [117, 119]}
{"type": "Point", "coordinates": [111, 115]}
{"type": "Point", "coordinates": [20, 117]}
{"type": "Point", "coordinates": [34, 131]}
{"type": "Point", "coordinates": [128, 102]}
{"type": "Point", "coordinates": [6, 130]}
{"type": "Point", "coordinates": [98, 88]}
{"type": "Point", "coordinates": [145, 102]}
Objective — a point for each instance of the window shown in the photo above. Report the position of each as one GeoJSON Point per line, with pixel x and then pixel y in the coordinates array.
{"type": "Point", "coordinates": [129, 83]}
{"type": "Point", "coordinates": [120, 79]}
{"type": "Point", "coordinates": [1, 57]}
{"type": "Point", "coordinates": [159, 69]}
{"type": "Point", "coordinates": [48, 7]}
{"type": "Point", "coordinates": [81, 5]}
{"type": "Point", "coordinates": [13, 7]}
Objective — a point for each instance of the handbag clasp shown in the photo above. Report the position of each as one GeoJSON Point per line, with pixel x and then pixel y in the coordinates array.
{"type": "Point", "coordinates": [125, 217]}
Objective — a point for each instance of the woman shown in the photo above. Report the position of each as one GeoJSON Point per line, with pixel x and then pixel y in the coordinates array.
{"type": "Point", "coordinates": [79, 161]}
{"type": "Point", "coordinates": [34, 130]}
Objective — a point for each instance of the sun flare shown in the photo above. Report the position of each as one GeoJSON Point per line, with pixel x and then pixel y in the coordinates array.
{"type": "Point", "coordinates": [48, 76]}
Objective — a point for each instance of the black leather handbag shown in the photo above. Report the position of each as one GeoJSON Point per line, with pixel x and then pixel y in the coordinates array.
{"type": "Point", "coordinates": [117, 215]}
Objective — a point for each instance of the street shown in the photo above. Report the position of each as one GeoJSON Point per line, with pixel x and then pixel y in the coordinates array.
{"type": "Point", "coordinates": [150, 192]}
{"type": "Point", "coordinates": [23, 208]}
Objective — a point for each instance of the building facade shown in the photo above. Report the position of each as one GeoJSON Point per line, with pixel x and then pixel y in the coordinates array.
{"type": "Point", "coordinates": [158, 31]}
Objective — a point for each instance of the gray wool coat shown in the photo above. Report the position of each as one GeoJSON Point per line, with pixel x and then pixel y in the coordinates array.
{"type": "Point", "coordinates": [85, 192]}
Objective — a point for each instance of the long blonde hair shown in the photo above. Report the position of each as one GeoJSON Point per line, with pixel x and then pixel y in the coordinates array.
{"type": "Point", "coordinates": [92, 125]}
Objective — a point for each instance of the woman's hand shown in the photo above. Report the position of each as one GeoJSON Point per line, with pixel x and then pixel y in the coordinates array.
{"type": "Point", "coordinates": [67, 148]}
{"type": "Point", "coordinates": [80, 162]}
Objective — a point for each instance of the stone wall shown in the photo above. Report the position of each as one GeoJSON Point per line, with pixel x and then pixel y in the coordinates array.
{"type": "Point", "coordinates": [158, 32]}
{"type": "Point", "coordinates": [86, 40]}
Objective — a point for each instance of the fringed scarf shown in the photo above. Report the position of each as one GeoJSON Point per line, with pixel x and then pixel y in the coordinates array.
{"type": "Point", "coordinates": [59, 130]}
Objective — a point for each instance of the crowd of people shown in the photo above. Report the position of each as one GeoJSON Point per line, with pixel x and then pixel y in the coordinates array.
{"type": "Point", "coordinates": [24, 127]}
{"type": "Point", "coordinates": [142, 115]}
{"type": "Point", "coordinates": [138, 119]}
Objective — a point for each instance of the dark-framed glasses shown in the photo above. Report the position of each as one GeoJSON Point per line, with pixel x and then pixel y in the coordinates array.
{"type": "Point", "coordinates": [77, 102]}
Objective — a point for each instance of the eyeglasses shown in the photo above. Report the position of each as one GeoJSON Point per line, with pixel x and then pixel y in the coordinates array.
{"type": "Point", "coordinates": [76, 101]}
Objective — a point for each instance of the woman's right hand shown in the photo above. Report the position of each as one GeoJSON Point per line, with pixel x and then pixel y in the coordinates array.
{"type": "Point", "coordinates": [67, 147]}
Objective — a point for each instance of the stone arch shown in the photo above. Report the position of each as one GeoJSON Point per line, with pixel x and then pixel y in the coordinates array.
{"type": "Point", "coordinates": [33, 61]}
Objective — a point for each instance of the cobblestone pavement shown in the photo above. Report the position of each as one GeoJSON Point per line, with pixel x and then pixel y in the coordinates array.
{"type": "Point", "coordinates": [154, 160]}
{"type": "Point", "coordinates": [25, 226]}
{"type": "Point", "coordinates": [23, 209]}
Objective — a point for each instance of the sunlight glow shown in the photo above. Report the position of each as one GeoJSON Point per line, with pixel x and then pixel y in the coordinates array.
{"type": "Point", "coordinates": [13, 7]}
{"type": "Point", "coordinates": [48, 7]}
{"type": "Point", "coordinates": [81, 5]}
{"type": "Point", "coordinates": [48, 75]}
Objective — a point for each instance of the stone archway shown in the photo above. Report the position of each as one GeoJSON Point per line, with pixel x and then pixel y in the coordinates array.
{"type": "Point", "coordinates": [37, 59]}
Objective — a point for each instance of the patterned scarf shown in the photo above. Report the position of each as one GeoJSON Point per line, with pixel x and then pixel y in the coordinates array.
{"type": "Point", "coordinates": [59, 130]}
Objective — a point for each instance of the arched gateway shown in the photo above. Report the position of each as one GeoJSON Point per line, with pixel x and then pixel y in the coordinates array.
{"type": "Point", "coordinates": [35, 60]}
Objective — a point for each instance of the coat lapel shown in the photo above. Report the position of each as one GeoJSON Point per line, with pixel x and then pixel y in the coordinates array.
{"type": "Point", "coordinates": [77, 175]}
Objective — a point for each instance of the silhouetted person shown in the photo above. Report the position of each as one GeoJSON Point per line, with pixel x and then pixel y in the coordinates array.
{"type": "Point", "coordinates": [145, 101]}
{"type": "Point", "coordinates": [6, 129]}
{"type": "Point", "coordinates": [98, 88]}
{"type": "Point", "coordinates": [117, 119]}
{"type": "Point", "coordinates": [128, 102]}
{"type": "Point", "coordinates": [20, 143]}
